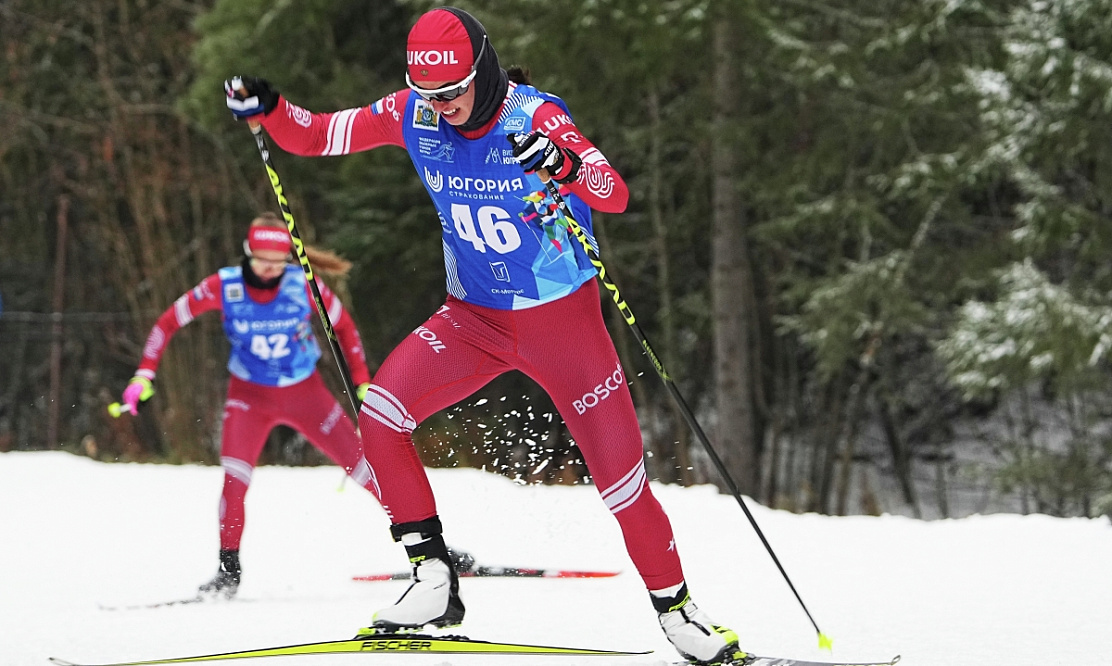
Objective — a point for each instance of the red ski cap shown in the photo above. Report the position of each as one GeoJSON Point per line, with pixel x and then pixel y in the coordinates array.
{"type": "Point", "coordinates": [268, 238]}
{"type": "Point", "coordinates": [439, 48]}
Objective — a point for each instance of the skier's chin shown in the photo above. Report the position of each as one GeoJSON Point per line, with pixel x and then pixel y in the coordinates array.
{"type": "Point", "coordinates": [455, 116]}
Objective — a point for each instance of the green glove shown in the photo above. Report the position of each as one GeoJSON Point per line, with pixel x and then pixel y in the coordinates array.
{"type": "Point", "coordinates": [138, 390]}
{"type": "Point", "coordinates": [361, 390]}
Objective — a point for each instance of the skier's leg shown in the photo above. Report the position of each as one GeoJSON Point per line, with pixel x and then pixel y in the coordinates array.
{"type": "Point", "coordinates": [589, 389]}
{"type": "Point", "coordinates": [244, 433]}
{"type": "Point", "coordinates": [437, 366]}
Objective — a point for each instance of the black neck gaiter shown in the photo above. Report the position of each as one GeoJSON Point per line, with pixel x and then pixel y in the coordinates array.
{"type": "Point", "coordinates": [254, 280]}
{"type": "Point", "coordinates": [491, 82]}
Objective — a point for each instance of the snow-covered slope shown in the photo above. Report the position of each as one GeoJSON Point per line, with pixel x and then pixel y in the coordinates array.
{"type": "Point", "coordinates": [78, 535]}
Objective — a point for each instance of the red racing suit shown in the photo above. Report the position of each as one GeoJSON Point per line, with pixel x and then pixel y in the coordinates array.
{"type": "Point", "coordinates": [252, 410]}
{"type": "Point", "coordinates": [562, 342]}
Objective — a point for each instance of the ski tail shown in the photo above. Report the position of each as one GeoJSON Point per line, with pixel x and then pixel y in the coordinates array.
{"type": "Point", "coordinates": [514, 572]}
{"type": "Point", "coordinates": [754, 660]}
{"type": "Point", "coordinates": [159, 604]}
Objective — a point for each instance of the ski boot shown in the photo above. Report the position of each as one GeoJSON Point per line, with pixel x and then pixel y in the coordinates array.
{"type": "Point", "coordinates": [226, 582]}
{"type": "Point", "coordinates": [433, 596]}
{"type": "Point", "coordinates": [693, 634]}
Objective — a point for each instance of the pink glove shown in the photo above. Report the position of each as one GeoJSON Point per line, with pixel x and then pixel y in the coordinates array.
{"type": "Point", "coordinates": [139, 389]}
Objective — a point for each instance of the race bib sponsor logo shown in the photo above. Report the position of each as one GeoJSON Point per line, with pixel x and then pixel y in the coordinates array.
{"type": "Point", "coordinates": [501, 271]}
{"type": "Point", "coordinates": [515, 124]}
{"type": "Point", "coordinates": [435, 149]}
{"type": "Point", "coordinates": [468, 184]}
{"type": "Point", "coordinates": [424, 117]}
{"type": "Point", "coordinates": [233, 293]}
{"type": "Point", "coordinates": [271, 325]}
{"type": "Point", "coordinates": [474, 188]}
{"type": "Point", "coordinates": [435, 180]}
{"type": "Point", "coordinates": [600, 392]}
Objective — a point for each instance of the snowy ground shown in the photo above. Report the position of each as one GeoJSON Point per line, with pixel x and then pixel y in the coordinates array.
{"type": "Point", "coordinates": [79, 535]}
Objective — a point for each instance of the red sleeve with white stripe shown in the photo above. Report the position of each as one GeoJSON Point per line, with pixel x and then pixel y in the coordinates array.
{"type": "Point", "coordinates": [599, 185]}
{"type": "Point", "coordinates": [203, 298]}
{"type": "Point", "coordinates": [302, 132]}
{"type": "Point", "coordinates": [346, 333]}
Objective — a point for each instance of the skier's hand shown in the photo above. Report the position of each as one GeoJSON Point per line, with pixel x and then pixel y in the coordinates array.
{"type": "Point", "coordinates": [250, 96]}
{"type": "Point", "coordinates": [138, 390]}
{"type": "Point", "coordinates": [535, 151]}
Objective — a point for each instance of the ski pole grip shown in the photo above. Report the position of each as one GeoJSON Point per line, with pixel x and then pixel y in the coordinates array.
{"type": "Point", "coordinates": [541, 173]}
{"type": "Point", "coordinates": [255, 125]}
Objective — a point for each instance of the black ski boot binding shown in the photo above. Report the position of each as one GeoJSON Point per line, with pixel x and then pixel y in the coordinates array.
{"type": "Point", "coordinates": [226, 582]}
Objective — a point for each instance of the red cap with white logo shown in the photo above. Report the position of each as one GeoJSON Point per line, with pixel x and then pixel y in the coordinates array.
{"type": "Point", "coordinates": [268, 238]}
{"type": "Point", "coordinates": [439, 48]}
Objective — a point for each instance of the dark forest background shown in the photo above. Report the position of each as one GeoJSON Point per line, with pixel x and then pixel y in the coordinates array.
{"type": "Point", "coordinates": [869, 240]}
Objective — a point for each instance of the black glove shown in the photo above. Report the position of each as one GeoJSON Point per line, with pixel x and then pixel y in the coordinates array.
{"type": "Point", "coordinates": [250, 96]}
{"type": "Point", "coordinates": [535, 151]}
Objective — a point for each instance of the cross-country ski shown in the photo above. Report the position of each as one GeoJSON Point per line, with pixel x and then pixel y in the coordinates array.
{"type": "Point", "coordinates": [393, 644]}
{"type": "Point", "coordinates": [499, 572]}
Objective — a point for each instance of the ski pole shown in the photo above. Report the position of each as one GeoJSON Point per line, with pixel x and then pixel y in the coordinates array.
{"type": "Point", "coordinates": [627, 314]}
{"type": "Point", "coordinates": [303, 258]}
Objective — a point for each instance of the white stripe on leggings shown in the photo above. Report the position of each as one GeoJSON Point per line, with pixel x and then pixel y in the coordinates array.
{"type": "Point", "coordinates": [627, 489]}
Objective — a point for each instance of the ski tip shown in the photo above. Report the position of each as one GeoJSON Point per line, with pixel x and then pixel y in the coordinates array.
{"type": "Point", "coordinates": [374, 577]}
{"type": "Point", "coordinates": [825, 643]}
{"type": "Point", "coordinates": [895, 660]}
{"type": "Point", "coordinates": [61, 662]}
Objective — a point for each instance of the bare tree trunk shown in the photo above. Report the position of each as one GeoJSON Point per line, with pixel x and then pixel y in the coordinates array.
{"type": "Point", "coordinates": [673, 448]}
{"type": "Point", "coordinates": [900, 458]}
{"type": "Point", "coordinates": [54, 413]}
{"type": "Point", "coordinates": [731, 280]}
{"type": "Point", "coordinates": [849, 444]}
{"type": "Point", "coordinates": [941, 487]}
{"type": "Point", "coordinates": [824, 447]}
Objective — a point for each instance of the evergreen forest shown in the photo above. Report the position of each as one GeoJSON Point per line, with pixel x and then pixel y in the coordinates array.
{"type": "Point", "coordinates": [867, 239]}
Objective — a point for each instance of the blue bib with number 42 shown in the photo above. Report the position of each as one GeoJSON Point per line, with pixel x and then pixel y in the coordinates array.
{"type": "Point", "coordinates": [272, 343]}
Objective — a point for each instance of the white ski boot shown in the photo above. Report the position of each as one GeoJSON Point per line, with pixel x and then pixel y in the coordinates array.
{"type": "Point", "coordinates": [693, 634]}
{"type": "Point", "coordinates": [433, 596]}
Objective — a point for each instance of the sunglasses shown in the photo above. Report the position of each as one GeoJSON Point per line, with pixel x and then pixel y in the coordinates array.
{"type": "Point", "coordinates": [260, 263]}
{"type": "Point", "coordinates": [450, 92]}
